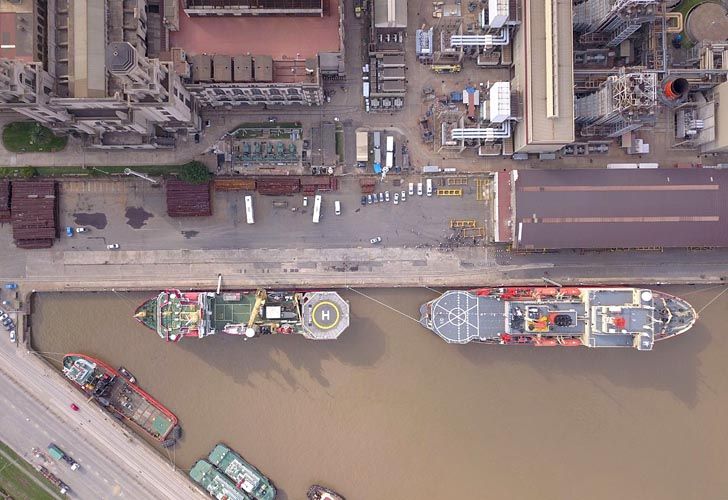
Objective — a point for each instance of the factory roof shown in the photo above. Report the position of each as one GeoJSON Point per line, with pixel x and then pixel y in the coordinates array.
{"type": "Point", "coordinates": [390, 13]}
{"type": "Point", "coordinates": [544, 77]}
{"type": "Point", "coordinates": [290, 37]}
{"type": "Point", "coordinates": [16, 41]}
{"type": "Point", "coordinates": [87, 49]}
{"type": "Point", "coordinates": [605, 208]}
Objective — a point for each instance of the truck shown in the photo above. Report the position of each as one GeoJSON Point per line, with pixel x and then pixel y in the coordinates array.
{"type": "Point", "coordinates": [58, 454]}
{"type": "Point", "coordinates": [62, 487]}
{"type": "Point", "coordinates": [362, 147]}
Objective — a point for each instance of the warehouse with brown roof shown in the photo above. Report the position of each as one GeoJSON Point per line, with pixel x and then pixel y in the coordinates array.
{"type": "Point", "coordinates": [605, 208]}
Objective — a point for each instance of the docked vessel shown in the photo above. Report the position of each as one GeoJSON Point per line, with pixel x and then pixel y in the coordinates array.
{"type": "Point", "coordinates": [318, 492]}
{"type": "Point", "coordinates": [215, 482]}
{"type": "Point", "coordinates": [546, 316]}
{"type": "Point", "coordinates": [315, 315]}
{"type": "Point", "coordinates": [246, 478]}
{"type": "Point", "coordinates": [123, 398]}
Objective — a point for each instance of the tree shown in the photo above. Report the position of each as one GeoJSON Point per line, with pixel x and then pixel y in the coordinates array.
{"type": "Point", "coordinates": [27, 172]}
{"type": "Point", "coordinates": [195, 172]}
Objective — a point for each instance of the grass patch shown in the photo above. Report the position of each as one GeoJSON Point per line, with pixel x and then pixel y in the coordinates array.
{"type": "Point", "coordinates": [16, 481]}
{"type": "Point", "coordinates": [340, 142]}
{"type": "Point", "coordinates": [31, 137]}
{"type": "Point", "coordinates": [91, 171]}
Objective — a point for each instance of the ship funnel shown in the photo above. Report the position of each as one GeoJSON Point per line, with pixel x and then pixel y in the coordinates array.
{"type": "Point", "coordinates": [675, 89]}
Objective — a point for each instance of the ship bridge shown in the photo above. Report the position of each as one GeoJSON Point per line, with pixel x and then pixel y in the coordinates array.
{"type": "Point", "coordinates": [325, 315]}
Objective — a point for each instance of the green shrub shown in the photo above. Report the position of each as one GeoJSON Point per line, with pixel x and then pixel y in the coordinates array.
{"type": "Point", "coordinates": [195, 172]}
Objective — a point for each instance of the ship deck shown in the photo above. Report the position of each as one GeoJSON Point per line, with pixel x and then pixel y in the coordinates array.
{"type": "Point", "coordinates": [233, 312]}
{"type": "Point", "coordinates": [136, 408]}
{"type": "Point", "coordinates": [460, 316]}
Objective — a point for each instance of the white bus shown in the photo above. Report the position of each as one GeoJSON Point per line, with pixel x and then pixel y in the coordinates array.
{"type": "Point", "coordinates": [249, 210]}
{"type": "Point", "coordinates": [317, 209]}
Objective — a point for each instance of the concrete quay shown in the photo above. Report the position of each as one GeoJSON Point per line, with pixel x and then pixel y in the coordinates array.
{"type": "Point", "coordinates": [358, 267]}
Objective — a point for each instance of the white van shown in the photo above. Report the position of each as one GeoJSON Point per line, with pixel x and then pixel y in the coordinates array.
{"type": "Point", "coordinates": [411, 188]}
{"type": "Point", "coordinates": [419, 189]}
{"type": "Point", "coordinates": [337, 207]}
{"type": "Point", "coordinates": [429, 187]}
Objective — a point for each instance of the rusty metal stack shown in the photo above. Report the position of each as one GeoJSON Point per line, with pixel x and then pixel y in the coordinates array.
{"type": "Point", "coordinates": [34, 208]}
{"type": "Point", "coordinates": [188, 200]}
{"type": "Point", "coordinates": [4, 201]}
{"type": "Point", "coordinates": [278, 186]}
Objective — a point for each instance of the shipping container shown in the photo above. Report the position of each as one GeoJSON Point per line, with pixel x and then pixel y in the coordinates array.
{"type": "Point", "coordinates": [390, 159]}
{"type": "Point", "coordinates": [390, 144]}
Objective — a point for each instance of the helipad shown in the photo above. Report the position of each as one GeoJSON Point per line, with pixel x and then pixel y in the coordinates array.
{"type": "Point", "coordinates": [325, 315]}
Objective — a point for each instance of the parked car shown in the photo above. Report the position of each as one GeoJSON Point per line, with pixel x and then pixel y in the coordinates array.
{"type": "Point", "coordinates": [369, 199]}
{"type": "Point", "coordinates": [337, 207]}
{"type": "Point", "coordinates": [74, 407]}
{"type": "Point", "coordinates": [81, 229]}
{"type": "Point", "coordinates": [411, 188]}
{"type": "Point", "coordinates": [419, 189]}
{"type": "Point", "coordinates": [386, 195]}
{"type": "Point", "coordinates": [403, 196]}
{"type": "Point", "coordinates": [305, 201]}
{"type": "Point", "coordinates": [363, 200]}
{"type": "Point", "coordinates": [375, 240]}
{"type": "Point", "coordinates": [381, 197]}
{"type": "Point", "coordinates": [396, 198]}
{"type": "Point", "coordinates": [3, 317]}
{"type": "Point", "coordinates": [7, 322]}
{"type": "Point", "coordinates": [13, 338]}
{"type": "Point", "coordinates": [112, 246]}
{"type": "Point", "coordinates": [69, 231]}
{"type": "Point", "coordinates": [11, 286]}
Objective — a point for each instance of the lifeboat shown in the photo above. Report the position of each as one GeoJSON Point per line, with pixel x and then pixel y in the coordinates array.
{"type": "Point", "coordinates": [570, 342]}
{"type": "Point", "coordinates": [541, 342]}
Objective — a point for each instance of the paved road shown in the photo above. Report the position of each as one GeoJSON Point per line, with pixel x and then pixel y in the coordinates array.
{"type": "Point", "coordinates": [114, 464]}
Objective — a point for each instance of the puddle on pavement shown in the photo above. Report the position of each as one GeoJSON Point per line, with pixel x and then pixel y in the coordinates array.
{"type": "Point", "coordinates": [97, 220]}
{"type": "Point", "coordinates": [137, 217]}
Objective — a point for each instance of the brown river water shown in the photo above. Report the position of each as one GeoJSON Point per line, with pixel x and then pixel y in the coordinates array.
{"type": "Point", "coordinates": [389, 411]}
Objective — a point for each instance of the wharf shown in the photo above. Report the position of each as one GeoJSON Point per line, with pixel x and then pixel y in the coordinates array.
{"type": "Point", "coordinates": [357, 267]}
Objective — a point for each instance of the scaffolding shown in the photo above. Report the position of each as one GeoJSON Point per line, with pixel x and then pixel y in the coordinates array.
{"type": "Point", "coordinates": [624, 102]}
{"type": "Point", "coordinates": [610, 22]}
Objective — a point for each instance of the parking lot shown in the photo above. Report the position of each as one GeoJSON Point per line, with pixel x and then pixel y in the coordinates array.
{"type": "Point", "coordinates": [135, 217]}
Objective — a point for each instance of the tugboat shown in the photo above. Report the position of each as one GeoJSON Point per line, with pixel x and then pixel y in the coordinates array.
{"type": "Point", "coordinates": [318, 492]}
{"type": "Point", "coordinates": [245, 476]}
{"type": "Point", "coordinates": [127, 375]}
{"type": "Point", "coordinates": [568, 317]}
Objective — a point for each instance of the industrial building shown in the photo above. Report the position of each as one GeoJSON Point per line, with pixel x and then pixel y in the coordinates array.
{"type": "Point", "coordinates": [583, 74]}
{"type": "Point", "coordinates": [387, 85]}
{"type": "Point", "coordinates": [135, 73]}
{"type": "Point", "coordinates": [533, 112]}
{"type": "Point", "coordinates": [86, 67]}
{"type": "Point", "coordinates": [257, 52]}
{"type": "Point", "coordinates": [645, 208]}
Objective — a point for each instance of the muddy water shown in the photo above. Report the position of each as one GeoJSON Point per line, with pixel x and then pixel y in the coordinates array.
{"type": "Point", "coordinates": [390, 411]}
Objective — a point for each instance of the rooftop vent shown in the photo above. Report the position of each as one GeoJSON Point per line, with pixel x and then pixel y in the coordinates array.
{"type": "Point", "coordinates": [121, 58]}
